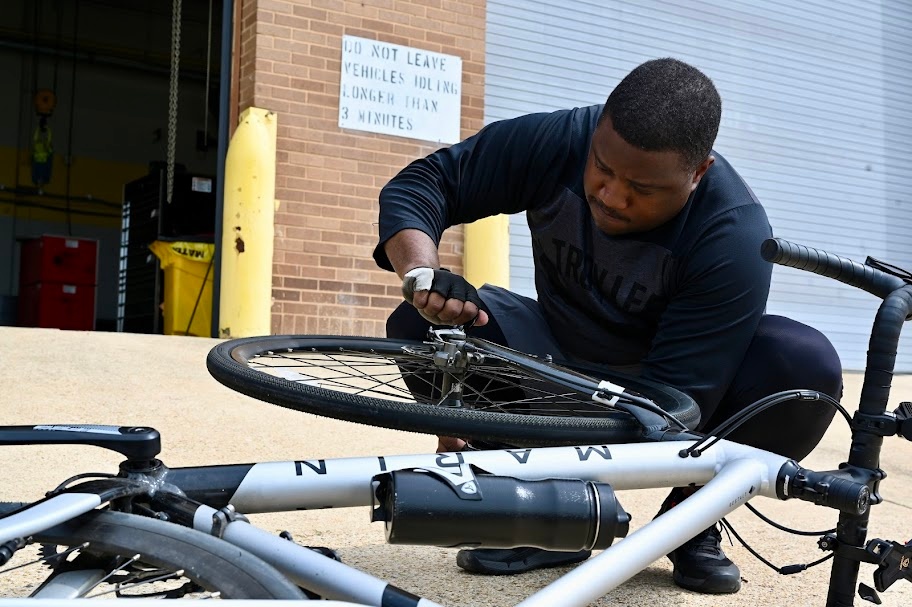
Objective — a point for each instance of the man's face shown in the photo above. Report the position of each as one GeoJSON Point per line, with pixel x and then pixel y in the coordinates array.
{"type": "Point", "coordinates": [630, 190]}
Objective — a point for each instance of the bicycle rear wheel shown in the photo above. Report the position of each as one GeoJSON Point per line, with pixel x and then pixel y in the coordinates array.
{"type": "Point", "coordinates": [133, 556]}
{"type": "Point", "coordinates": [396, 384]}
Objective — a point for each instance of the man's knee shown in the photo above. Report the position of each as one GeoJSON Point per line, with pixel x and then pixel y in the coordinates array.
{"type": "Point", "coordinates": [784, 355]}
{"type": "Point", "coordinates": [799, 355]}
{"type": "Point", "coordinates": [406, 323]}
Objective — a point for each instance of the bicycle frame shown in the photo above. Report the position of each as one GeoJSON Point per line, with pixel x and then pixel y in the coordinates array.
{"type": "Point", "coordinates": [732, 474]}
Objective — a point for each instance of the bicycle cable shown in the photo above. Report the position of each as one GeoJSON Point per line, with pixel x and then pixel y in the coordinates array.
{"type": "Point", "coordinates": [62, 486]}
{"type": "Point", "coordinates": [754, 409]}
{"type": "Point", "coordinates": [782, 527]}
{"type": "Point", "coordinates": [785, 570]}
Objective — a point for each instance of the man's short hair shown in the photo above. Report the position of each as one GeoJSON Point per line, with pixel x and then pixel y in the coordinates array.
{"type": "Point", "coordinates": [666, 105]}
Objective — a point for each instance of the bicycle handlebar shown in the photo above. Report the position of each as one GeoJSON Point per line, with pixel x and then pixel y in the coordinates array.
{"type": "Point", "coordinates": [864, 455]}
{"type": "Point", "coordinates": [895, 309]}
{"type": "Point", "coordinates": [845, 270]}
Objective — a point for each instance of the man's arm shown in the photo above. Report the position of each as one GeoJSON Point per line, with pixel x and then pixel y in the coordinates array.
{"type": "Point", "coordinates": [506, 167]}
{"type": "Point", "coordinates": [409, 249]}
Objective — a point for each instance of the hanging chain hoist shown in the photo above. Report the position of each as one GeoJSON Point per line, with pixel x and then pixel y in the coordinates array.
{"type": "Point", "coordinates": [172, 95]}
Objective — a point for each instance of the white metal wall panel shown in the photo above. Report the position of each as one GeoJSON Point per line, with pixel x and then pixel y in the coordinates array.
{"type": "Point", "coordinates": [817, 117]}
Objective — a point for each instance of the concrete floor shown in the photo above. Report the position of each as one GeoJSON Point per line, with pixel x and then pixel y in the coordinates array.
{"type": "Point", "coordinates": [50, 376]}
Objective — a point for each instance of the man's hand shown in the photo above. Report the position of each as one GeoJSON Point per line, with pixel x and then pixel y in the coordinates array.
{"type": "Point", "coordinates": [449, 444]}
{"type": "Point", "coordinates": [443, 298]}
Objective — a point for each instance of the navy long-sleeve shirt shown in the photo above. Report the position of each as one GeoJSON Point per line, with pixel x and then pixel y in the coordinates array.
{"type": "Point", "coordinates": [682, 300]}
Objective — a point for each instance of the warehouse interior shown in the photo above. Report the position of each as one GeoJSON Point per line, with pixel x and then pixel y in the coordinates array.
{"type": "Point", "coordinates": [109, 140]}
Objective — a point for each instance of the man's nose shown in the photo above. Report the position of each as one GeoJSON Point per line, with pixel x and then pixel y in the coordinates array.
{"type": "Point", "coordinates": [613, 195]}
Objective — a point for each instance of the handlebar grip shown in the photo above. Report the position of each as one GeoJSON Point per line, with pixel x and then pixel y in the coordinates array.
{"type": "Point", "coordinates": [845, 270]}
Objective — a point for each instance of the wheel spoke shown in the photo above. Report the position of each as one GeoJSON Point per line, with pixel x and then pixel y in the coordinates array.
{"type": "Point", "coordinates": [113, 572]}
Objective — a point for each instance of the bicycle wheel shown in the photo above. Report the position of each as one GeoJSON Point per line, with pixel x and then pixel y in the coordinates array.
{"type": "Point", "coordinates": [127, 555]}
{"type": "Point", "coordinates": [396, 384]}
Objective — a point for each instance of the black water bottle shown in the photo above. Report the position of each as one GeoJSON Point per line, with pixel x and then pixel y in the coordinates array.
{"type": "Point", "coordinates": [421, 507]}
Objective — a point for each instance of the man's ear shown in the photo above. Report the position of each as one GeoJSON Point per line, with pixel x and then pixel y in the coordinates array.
{"type": "Point", "coordinates": [700, 171]}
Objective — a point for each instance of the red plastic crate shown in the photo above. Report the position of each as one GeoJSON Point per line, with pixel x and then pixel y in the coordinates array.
{"type": "Point", "coordinates": [47, 259]}
{"type": "Point", "coordinates": [57, 306]}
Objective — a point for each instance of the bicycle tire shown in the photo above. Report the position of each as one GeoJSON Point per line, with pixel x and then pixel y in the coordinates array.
{"type": "Point", "coordinates": [213, 564]}
{"type": "Point", "coordinates": [229, 363]}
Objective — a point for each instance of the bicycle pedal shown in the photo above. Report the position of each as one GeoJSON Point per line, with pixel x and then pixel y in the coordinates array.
{"type": "Point", "coordinates": [10, 548]}
{"type": "Point", "coordinates": [327, 552]}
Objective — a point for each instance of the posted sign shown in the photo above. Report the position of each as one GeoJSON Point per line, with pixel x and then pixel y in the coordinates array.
{"type": "Point", "coordinates": [399, 90]}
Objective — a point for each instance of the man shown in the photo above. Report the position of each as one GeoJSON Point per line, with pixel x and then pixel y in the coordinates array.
{"type": "Point", "coordinates": [647, 259]}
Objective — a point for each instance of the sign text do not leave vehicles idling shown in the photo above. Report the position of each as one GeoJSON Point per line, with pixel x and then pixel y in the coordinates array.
{"type": "Point", "coordinates": [399, 90]}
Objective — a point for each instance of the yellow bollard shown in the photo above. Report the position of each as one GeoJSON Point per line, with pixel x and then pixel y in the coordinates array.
{"type": "Point", "coordinates": [487, 251]}
{"type": "Point", "coordinates": [248, 230]}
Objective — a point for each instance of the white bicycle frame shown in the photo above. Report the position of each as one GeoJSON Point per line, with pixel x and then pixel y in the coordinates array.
{"type": "Point", "coordinates": [731, 474]}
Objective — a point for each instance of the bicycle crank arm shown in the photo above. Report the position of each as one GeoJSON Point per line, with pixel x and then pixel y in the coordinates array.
{"type": "Point", "coordinates": [134, 442]}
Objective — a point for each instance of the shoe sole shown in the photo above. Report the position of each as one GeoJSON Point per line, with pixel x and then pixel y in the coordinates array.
{"type": "Point", "coordinates": [712, 585]}
{"type": "Point", "coordinates": [467, 561]}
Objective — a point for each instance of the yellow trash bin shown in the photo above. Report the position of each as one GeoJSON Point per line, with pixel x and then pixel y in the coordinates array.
{"type": "Point", "coordinates": [187, 307]}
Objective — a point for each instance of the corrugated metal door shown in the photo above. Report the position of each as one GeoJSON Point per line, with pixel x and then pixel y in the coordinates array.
{"type": "Point", "coordinates": [817, 117]}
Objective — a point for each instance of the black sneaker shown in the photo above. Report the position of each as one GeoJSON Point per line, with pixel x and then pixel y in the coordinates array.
{"type": "Point", "coordinates": [509, 561]}
{"type": "Point", "coordinates": [699, 564]}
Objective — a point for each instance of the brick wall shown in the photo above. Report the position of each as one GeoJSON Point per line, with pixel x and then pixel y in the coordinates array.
{"type": "Point", "coordinates": [328, 179]}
